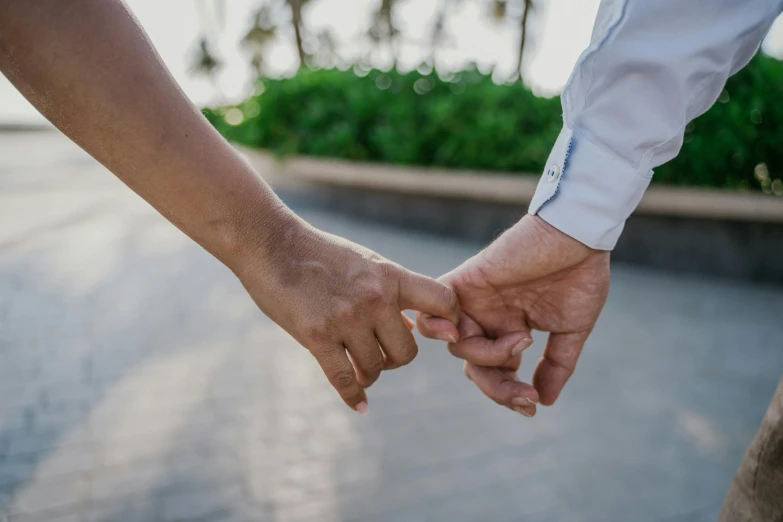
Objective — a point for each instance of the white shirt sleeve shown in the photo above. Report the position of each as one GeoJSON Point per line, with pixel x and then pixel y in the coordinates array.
{"type": "Point", "coordinates": [652, 66]}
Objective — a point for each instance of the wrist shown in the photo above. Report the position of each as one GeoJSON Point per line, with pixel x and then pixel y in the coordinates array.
{"type": "Point", "coordinates": [548, 234]}
{"type": "Point", "coordinates": [587, 191]}
{"type": "Point", "coordinates": [537, 246]}
{"type": "Point", "coordinates": [251, 239]}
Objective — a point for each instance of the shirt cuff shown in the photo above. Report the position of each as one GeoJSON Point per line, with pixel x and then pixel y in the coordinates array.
{"type": "Point", "coordinates": [586, 192]}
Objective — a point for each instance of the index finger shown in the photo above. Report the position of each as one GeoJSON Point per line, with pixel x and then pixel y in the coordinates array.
{"type": "Point", "coordinates": [424, 294]}
{"type": "Point", "coordinates": [557, 364]}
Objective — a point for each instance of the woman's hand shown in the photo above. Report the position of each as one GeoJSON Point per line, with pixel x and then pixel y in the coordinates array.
{"type": "Point", "coordinates": [91, 70]}
{"type": "Point", "coordinates": [342, 302]}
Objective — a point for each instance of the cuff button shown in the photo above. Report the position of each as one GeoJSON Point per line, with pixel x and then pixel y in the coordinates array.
{"type": "Point", "coordinates": [552, 173]}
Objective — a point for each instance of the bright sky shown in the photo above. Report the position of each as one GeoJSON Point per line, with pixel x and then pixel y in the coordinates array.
{"type": "Point", "coordinates": [560, 31]}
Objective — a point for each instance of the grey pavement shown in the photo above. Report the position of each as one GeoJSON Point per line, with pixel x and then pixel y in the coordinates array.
{"type": "Point", "coordinates": [138, 382]}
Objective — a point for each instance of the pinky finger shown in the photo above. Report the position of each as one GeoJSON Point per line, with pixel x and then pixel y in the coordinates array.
{"type": "Point", "coordinates": [342, 376]}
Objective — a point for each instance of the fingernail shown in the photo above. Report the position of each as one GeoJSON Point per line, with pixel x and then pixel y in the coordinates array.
{"type": "Point", "coordinates": [361, 408]}
{"type": "Point", "coordinates": [447, 338]}
{"type": "Point", "coordinates": [521, 345]}
{"type": "Point", "coordinates": [522, 401]}
{"type": "Point", "coordinates": [523, 412]}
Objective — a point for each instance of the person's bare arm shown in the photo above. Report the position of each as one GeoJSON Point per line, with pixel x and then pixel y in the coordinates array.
{"type": "Point", "coordinates": [89, 68]}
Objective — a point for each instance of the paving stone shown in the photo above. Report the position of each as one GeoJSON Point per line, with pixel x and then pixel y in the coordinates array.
{"type": "Point", "coordinates": [14, 472]}
{"type": "Point", "coordinates": [244, 512]}
{"type": "Point", "coordinates": [48, 517]}
{"type": "Point", "coordinates": [125, 510]}
{"type": "Point", "coordinates": [201, 504]}
{"type": "Point", "coordinates": [66, 461]}
{"type": "Point", "coordinates": [139, 383]}
{"type": "Point", "coordinates": [117, 485]}
{"type": "Point", "coordinates": [49, 495]}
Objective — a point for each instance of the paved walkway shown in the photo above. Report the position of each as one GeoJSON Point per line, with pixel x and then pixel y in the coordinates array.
{"type": "Point", "coordinates": [139, 383]}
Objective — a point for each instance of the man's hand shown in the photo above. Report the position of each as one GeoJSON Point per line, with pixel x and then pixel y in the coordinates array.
{"type": "Point", "coordinates": [532, 277]}
{"type": "Point", "coordinates": [342, 302]}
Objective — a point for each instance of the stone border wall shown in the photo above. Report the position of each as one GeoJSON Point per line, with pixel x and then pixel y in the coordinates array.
{"type": "Point", "coordinates": [706, 231]}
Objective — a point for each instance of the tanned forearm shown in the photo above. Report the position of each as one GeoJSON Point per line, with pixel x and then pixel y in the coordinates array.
{"type": "Point", "coordinates": [88, 66]}
{"type": "Point", "coordinates": [90, 69]}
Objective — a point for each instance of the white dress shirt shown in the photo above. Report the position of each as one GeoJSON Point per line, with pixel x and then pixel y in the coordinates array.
{"type": "Point", "coordinates": [652, 66]}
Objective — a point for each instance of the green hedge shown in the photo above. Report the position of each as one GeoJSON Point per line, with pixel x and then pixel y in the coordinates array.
{"type": "Point", "coordinates": [469, 122]}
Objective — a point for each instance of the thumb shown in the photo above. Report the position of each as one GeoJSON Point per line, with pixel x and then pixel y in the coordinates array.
{"type": "Point", "coordinates": [443, 330]}
{"type": "Point", "coordinates": [431, 297]}
{"type": "Point", "coordinates": [436, 328]}
{"type": "Point", "coordinates": [491, 352]}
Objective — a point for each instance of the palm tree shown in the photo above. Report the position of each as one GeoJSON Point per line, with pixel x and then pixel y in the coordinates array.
{"type": "Point", "coordinates": [296, 20]}
{"type": "Point", "coordinates": [327, 48]}
{"type": "Point", "coordinates": [212, 16]}
{"type": "Point", "coordinates": [527, 6]}
{"type": "Point", "coordinates": [517, 10]}
{"type": "Point", "coordinates": [260, 34]}
{"type": "Point", "coordinates": [439, 33]}
{"type": "Point", "coordinates": [205, 63]}
{"type": "Point", "coordinates": [383, 28]}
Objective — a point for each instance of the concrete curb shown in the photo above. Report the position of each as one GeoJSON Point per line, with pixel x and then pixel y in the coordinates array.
{"type": "Point", "coordinates": [519, 189]}
{"type": "Point", "coordinates": [709, 232]}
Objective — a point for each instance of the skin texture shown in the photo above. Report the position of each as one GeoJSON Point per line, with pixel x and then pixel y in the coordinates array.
{"type": "Point", "coordinates": [90, 69]}
{"type": "Point", "coordinates": [347, 301]}
{"type": "Point", "coordinates": [532, 277]}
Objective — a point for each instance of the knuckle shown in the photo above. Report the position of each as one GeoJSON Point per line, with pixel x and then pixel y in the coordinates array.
{"type": "Point", "coordinates": [373, 295]}
{"type": "Point", "coordinates": [409, 354]}
{"type": "Point", "coordinates": [403, 354]}
{"type": "Point", "coordinates": [346, 312]}
{"type": "Point", "coordinates": [494, 358]}
{"type": "Point", "coordinates": [506, 391]}
{"type": "Point", "coordinates": [343, 379]}
{"type": "Point", "coordinates": [390, 270]}
{"type": "Point", "coordinates": [566, 369]}
{"type": "Point", "coordinates": [317, 330]}
{"type": "Point", "coordinates": [375, 367]}
{"type": "Point", "coordinates": [450, 299]}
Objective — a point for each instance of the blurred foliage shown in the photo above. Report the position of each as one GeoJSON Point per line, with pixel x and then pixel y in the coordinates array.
{"type": "Point", "coordinates": [737, 143]}
{"type": "Point", "coordinates": [204, 61]}
{"type": "Point", "coordinates": [261, 34]}
{"type": "Point", "coordinates": [469, 122]}
{"type": "Point", "coordinates": [403, 118]}
{"type": "Point", "coordinates": [383, 27]}
{"type": "Point", "coordinates": [517, 12]}
{"type": "Point", "coordinates": [296, 22]}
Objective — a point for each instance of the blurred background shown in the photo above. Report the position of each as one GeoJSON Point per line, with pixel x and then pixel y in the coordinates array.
{"type": "Point", "coordinates": [139, 382]}
{"type": "Point", "coordinates": [349, 32]}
